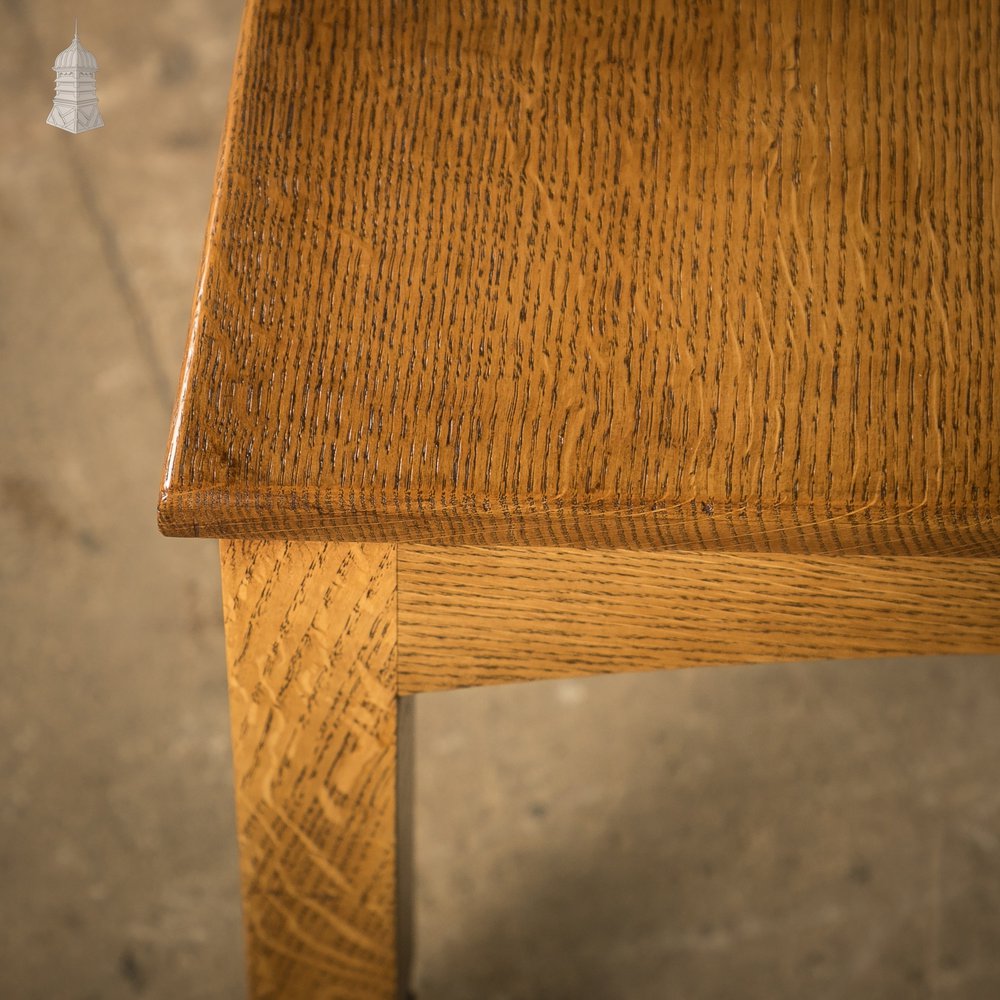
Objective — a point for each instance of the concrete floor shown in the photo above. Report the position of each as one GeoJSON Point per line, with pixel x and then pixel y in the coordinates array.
{"type": "Point", "coordinates": [820, 831]}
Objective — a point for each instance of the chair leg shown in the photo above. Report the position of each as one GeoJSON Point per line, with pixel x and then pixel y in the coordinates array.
{"type": "Point", "coordinates": [311, 642]}
{"type": "Point", "coordinates": [405, 786]}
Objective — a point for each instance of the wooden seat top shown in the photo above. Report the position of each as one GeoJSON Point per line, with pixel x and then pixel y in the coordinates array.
{"type": "Point", "coordinates": [626, 273]}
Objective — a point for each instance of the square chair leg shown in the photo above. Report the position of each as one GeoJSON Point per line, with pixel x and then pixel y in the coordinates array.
{"type": "Point", "coordinates": [311, 648]}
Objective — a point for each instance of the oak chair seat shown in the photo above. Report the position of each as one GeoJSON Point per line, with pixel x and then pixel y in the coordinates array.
{"type": "Point", "coordinates": [559, 337]}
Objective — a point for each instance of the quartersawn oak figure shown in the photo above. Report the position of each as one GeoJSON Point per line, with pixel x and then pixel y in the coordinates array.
{"type": "Point", "coordinates": [75, 106]}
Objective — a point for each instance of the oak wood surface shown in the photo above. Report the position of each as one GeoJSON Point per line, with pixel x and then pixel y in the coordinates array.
{"type": "Point", "coordinates": [406, 765]}
{"type": "Point", "coordinates": [470, 616]}
{"type": "Point", "coordinates": [311, 641]}
{"type": "Point", "coordinates": [631, 273]}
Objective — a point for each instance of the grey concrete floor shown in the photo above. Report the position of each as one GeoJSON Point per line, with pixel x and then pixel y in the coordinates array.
{"type": "Point", "coordinates": [819, 831]}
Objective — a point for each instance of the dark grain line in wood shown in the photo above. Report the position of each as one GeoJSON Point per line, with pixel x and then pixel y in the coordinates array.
{"type": "Point", "coordinates": [470, 616]}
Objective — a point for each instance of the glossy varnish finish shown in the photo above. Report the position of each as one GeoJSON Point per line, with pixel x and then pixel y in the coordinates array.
{"type": "Point", "coordinates": [634, 274]}
{"type": "Point", "coordinates": [587, 279]}
{"type": "Point", "coordinates": [311, 639]}
{"type": "Point", "coordinates": [470, 616]}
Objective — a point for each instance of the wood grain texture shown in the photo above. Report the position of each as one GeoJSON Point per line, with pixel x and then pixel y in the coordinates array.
{"type": "Point", "coordinates": [406, 767]}
{"type": "Point", "coordinates": [470, 616]}
{"type": "Point", "coordinates": [311, 638]}
{"type": "Point", "coordinates": [642, 273]}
